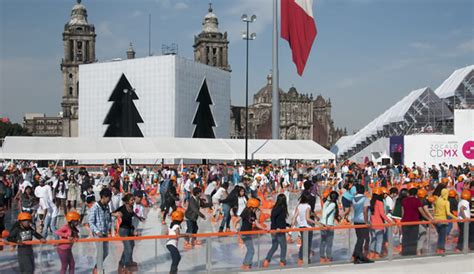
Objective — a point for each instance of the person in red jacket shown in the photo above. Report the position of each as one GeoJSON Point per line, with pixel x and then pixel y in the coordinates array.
{"type": "Point", "coordinates": [69, 232]}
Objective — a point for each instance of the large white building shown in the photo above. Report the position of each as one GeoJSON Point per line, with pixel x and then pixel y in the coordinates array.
{"type": "Point", "coordinates": [167, 88]}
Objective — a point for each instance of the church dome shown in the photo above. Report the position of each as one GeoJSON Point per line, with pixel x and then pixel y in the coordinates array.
{"type": "Point", "coordinates": [210, 23]}
{"type": "Point", "coordinates": [78, 14]}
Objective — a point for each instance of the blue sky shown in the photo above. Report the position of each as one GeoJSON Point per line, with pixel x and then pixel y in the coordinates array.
{"type": "Point", "coordinates": [368, 53]}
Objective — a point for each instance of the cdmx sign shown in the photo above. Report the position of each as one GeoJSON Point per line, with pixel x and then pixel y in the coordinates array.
{"type": "Point", "coordinates": [451, 149]}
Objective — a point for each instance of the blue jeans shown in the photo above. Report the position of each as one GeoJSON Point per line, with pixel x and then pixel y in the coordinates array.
{"type": "Point", "coordinates": [376, 239]}
{"type": "Point", "coordinates": [450, 226]}
{"type": "Point", "coordinates": [126, 259]}
{"type": "Point", "coordinates": [175, 258]}
{"type": "Point", "coordinates": [250, 249]}
{"type": "Point", "coordinates": [226, 220]}
{"type": "Point", "coordinates": [441, 229]}
{"type": "Point", "coordinates": [50, 222]}
{"type": "Point", "coordinates": [278, 239]}
{"type": "Point", "coordinates": [325, 250]}
{"type": "Point", "coordinates": [310, 242]}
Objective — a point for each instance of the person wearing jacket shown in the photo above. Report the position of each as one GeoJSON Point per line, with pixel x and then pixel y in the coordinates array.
{"type": "Point", "coordinates": [170, 198]}
{"type": "Point", "coordinates": [20, 232]}
{"type": "Point", "coordinates": [69, 232]}
{"type": "Point", "coordinates": [278, 221]}
{"type": "Point", "coordinates": [377, 218]}
{"type": "Point", "coordinates": [441, 212]}
{"type": "Point", "coordinates": [192, 214]}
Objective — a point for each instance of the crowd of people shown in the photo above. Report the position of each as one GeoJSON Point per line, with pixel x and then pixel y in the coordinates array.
{"type": "Point", "coordinates": [114, 202]}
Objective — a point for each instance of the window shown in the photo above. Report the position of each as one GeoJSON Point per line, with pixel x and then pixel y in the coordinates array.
{"type": "Point", "coordinates": [70, 91]}
{"type": "Point", "coordinates": [70, 75]}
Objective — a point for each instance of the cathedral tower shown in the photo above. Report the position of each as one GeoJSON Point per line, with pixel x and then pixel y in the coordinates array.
{"type": "Point", "coordinates": [79, 48]}
{"type": "Point", "coordinates": [211, 46]}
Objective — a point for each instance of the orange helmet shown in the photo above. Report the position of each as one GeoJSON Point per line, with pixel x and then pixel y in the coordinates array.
{"type": "Point", "coordinates": [460, 178]}
{"type": "Point", "coordinates": [411, 175]}
{"type": "Point", "coordinates": [444, 180]}
{"type": "Point", "coordinates": [24, 216]}
{"type": "Point", "coordinates": [173, 178]}
{"type": "Point", "coordinates": [422, 193]}
{"type": "Point", "coordinates": [411, 185]}
{"type": "Point", "coordinates": [72, 216]}
{"type": "Point", "coordinates": [326, 193]}
{"type": "Point", "coordinates": [252, 202]}
{"type": "Point", "coordinates": [452, 193]}
{"type": "Point", "coordinates": [424, 184]}
{"type": "Point", "coordinates": [384, 190]}
{"type": "Point", "coordinates": [431, 199]}
{"type": "Point", "coordinates": [466, 195]}
{"type": "Point", "coordinates": [177, 215]}
{"type": "Point", "coordinates": [377, 190]}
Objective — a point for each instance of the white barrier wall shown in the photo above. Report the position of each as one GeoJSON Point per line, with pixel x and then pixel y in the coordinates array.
{"type": "Point", "coordinates": [381, 146]}
{"type": "Point", "coordinates": [167, 88]}
{"type": "Point", "coordinates": [450, 149]}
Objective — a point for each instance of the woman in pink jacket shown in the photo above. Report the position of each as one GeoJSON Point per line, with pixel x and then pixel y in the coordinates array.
{"type": "Point", "coordinates": [70, 232]}
{"type": "Point", "coordinates": [377, 219]}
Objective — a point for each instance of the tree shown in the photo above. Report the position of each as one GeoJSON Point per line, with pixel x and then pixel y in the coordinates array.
{"type": "Point", "coordinates": [12, 129]}
{"type": "Point", "coordinates": [203, 119]}
{"type": "Point", "coordinates": [123, 116]}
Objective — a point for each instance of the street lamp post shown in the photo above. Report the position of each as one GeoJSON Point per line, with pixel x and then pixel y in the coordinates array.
{"type": "Point", "coordinates": [247, 36]}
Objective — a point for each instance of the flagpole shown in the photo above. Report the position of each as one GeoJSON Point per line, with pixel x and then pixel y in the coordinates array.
{"type": "Point", "coordinates": [275, 94]}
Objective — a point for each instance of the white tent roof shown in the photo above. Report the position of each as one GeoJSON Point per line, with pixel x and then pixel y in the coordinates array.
{"type": "Point", "coordinates": [450, 85]}
{"type": "Point", "coordinates": [395, 113]}
{"type": "Point", "coordinates": [52, 148]}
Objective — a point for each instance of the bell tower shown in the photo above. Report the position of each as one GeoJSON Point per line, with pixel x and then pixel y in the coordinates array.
{"type": "Point", "coordinates": [79, 48]}
{"type": "Point", "coordinates": [211, 46]}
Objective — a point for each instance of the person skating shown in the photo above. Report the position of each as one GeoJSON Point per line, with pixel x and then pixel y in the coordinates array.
{"type": "Point", "coordinates": [177, 218]}
{"type": "Point", "coordinates": [463, 214]}
{"type": "Point", "coordinates": [377, 218]}
{"type": "Point", "coordinates": [20, 232]}
{"type": "Point", "coordinates": [127, 229]}
{"type": "Point", "coordinates": [68, 231]}
{"type": "Point", "coordinates": [249, 220]}
{"type": "Point", "coordinates": [192, 214]}
{"type": "Point", "coordinates": [278, 218]}
{"type": "Point", "coordinates": [100, 221]}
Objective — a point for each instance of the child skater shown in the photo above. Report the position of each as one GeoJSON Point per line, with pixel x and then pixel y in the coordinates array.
{"type": "Point", "coordinates": [177, 218]}
{"type": "Point", "coordinates": [70, 232]}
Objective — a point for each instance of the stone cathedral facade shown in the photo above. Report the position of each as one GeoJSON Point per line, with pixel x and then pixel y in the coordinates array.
{"type": "Point", "coordinates": [301, 117]}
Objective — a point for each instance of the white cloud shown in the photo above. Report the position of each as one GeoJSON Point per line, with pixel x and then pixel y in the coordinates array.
{"type": "Point", "coordinates": [421, 45]}
{"type": "Point", "coordinates": [466, 46]}
{"type": "Point", "coordinates": [180, 6]}
{"type": "Point", "coordinates": [136, 13]}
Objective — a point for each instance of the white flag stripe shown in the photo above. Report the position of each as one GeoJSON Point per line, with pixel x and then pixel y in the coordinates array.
{"type": "Point", "coordinates": [306, 5]}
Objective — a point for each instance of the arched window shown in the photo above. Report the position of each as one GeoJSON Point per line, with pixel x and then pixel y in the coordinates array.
{"type": "Point", "coordinates": [70, 91]}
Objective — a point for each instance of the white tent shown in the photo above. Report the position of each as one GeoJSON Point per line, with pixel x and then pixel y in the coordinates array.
{"type": "Point", "coordinates": [59, 148]}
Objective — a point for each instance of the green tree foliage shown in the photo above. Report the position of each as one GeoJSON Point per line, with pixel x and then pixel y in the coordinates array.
{"type": "Point", "coordinates": [12, 129]}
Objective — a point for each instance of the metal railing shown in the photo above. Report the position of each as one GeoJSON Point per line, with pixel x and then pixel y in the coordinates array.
{"type": "Point", "coordinates": [221, 252]}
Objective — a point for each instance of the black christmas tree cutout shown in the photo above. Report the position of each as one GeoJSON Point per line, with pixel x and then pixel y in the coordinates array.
{"type": "Point", "coordinates": [203, 119]}
{"type": "Point", "coordinates": [123, 116]}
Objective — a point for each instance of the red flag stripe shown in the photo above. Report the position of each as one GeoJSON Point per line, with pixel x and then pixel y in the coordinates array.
{"type": "Point", "coordinates": [299, 29]}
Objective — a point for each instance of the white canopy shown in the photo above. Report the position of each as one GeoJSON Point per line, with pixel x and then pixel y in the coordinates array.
{"type": "Point", "coordinates": [59, 148]}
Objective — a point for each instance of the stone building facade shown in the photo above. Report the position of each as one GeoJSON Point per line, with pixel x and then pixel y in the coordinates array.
{"type": "Point", "coordinates": [211, 46]}
{"type": "Point", "coordinates": [79, 48]}
{"type": "Point", "coordinates": [38, 124]}
{"type": "Point", "coordinates": [301, 117]}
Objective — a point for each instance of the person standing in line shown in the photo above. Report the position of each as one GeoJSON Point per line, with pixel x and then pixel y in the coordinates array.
{"type": "Point", "coordinates": [100, 220]}
{"type": "Point", "coordinates": [463, 214]}
{"type": "Point", "coordinates": [360, 207]}
{"type": "Point", "coordinates": [330, 214]}
{"type": "Point", "coordinates": [278, 218]}
{"type": "Point", "coordinates": [68, 232]}
{"type": "Point", "coordinates": [442, 211]}
{"type": "Point", "coordinates": [412, 211]}
{"type": "Point", "coordinates": [377, 218]}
